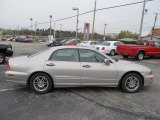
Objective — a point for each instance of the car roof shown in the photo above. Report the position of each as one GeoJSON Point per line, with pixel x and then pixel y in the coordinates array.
{"type": "Point", "coordinates": [113, 41]}
{"type": "Point", "coordinates": [76, 47]}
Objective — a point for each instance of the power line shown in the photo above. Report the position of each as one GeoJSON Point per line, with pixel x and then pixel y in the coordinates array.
{"type": "Point", "coordinates": [123, 5]}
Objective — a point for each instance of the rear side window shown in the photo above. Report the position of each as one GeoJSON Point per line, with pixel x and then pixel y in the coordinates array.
{"type": "Point", "coordinates": [65, 55]}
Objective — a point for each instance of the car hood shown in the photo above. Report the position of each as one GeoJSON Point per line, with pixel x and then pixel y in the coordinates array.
{"type": "Point", "coordinates": [131, 66]}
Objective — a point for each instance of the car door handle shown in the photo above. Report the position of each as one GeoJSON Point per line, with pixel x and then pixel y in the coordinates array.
{"type": "Point", "coordinates": [86, 66]}
{"type": "Point", "coordinates": [50, 64]}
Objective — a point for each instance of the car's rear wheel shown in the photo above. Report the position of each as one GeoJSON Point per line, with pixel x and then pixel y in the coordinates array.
{"type": "Point", "coordinates": [112, 53]}
{"type": "Point", "coordinates": [140, 56]}
{"type": "Point", "coordinates": [41, 83]}
{"type": "Point", "coordinates": [2, 58]}
{"type": "Point", "coordinates": [131, 83]}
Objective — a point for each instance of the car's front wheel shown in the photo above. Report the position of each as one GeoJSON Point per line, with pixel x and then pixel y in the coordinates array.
{"type": "Point", "coordinates": [131, 83]}
{"type": "Point", "coordinates": [2, 58]}
{"type": "Point", "coordinates": [41, 83]}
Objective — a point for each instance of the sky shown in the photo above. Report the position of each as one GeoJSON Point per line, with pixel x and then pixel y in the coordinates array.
{"type": "Point", "coordinates": [15, 13]}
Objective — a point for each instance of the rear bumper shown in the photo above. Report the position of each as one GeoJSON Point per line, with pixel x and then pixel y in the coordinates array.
{"type": "Point", "coordinates": [9, 53]}
{"type": "Point", "coordinates": [19, 77]}
{"type": "Point", "coordinates": [148, 79]}
{"type": "Point", "coordinates": [104, 51]}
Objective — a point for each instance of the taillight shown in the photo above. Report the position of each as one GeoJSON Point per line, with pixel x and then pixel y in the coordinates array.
{"type": "Point", "coordinates": [103, 48]}
{"type": "Point", "coordinates": [8, 65]}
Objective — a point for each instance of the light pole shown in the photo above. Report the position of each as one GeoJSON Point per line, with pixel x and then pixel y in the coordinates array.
{"type": "Point", "coordinates": [105, 32]}
{"type": "Point", "coordinates": [77, 9]}
{"type": "Point", "coordinates": [50, 24]}
{"type": "Point", "coordinates": [31, 19]}
{"type": "Point", "coordinates": [60, 30]}
{"type": "Point", "coordinates": [141, 25]}
{"type": "Point", "coordinates": [92, 36]}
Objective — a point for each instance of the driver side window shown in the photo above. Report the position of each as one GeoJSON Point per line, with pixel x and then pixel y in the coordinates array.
{"type": "Point", "coordinates": [90, 56]}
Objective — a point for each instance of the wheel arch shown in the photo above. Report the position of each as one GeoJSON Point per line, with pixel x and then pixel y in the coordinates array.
{"type": "Point", "coordinates": [142, 50]}
{"type": "Point", "coordinates": [120, 81]}
{"type": "Point", "coordinates": [28, 80]}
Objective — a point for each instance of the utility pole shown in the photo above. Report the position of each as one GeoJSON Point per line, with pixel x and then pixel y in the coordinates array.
{"type": "Point", "coordinates": [94, 14]}
{"type": "Point", "coordinates": [54, 31]}
{"type": "Point", "coordinates": [154, 26]}
{"type": "Point", "coordinates": [18, 31]}
{"type": "Point", "coordinates": [60, 30]}
{"type": "Point", "coordinates": [104, 38]}
{"type": "Point", "coordinates": [31, 19]}
{"type": "Point", "coordinates": [36, 31]}
{"type": "Point", "coordinates": [141, 25]}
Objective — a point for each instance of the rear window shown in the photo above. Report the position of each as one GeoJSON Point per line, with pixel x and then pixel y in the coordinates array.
{"type": "Point", "coordinates": [142, 43]}
{"type": "Point", "coordinates": [37, 53]}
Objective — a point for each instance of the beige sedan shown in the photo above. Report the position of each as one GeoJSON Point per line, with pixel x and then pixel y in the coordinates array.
{"type": "Point", "coordinates": [70, 66]}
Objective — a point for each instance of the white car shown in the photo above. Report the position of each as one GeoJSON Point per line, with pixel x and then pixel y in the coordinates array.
{"type": "Point", "coordinates": [108, 47]}
{"type": "Point", "coordinates": [88, 43]}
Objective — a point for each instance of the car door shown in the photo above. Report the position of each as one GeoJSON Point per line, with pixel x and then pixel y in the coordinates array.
{"type": "Point", "coordinates": [94, 70]}
{"type": "Point", "coordinates": [155, 48]}
{"type": "Point", "coordinates": [64, 67]}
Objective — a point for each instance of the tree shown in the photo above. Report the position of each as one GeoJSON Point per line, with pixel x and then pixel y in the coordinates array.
{"type": "Point", "coordinates": [127, 34]}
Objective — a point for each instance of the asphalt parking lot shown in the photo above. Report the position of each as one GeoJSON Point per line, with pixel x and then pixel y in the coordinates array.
{"type": "Point", "coordinates": [17, 102]}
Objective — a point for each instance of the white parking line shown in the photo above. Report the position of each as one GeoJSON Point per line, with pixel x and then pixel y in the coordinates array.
{"type": "Point", "coordinates": [154, 62]}
{"type": "Point", "coordinates": [11, 89]}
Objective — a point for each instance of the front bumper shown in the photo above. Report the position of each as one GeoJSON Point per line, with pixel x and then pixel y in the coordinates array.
{"type": "Point", "coordinates": [9, 53]}
{"type": "Point", "coordinates": [148, 79]}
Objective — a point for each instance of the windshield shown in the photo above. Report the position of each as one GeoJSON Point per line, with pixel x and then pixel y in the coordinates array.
{"type": "Point", "coordinates": [85, 42]}
{"type": "Point", "coordinates": [105, 43]}
{"type": "Point", "coordinates": [70, 41]}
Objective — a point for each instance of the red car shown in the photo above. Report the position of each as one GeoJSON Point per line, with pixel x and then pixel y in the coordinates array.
{"type": "Point", "coordinates": [144, 48]}
{"type": "Point", "coordinates": [72, 42]}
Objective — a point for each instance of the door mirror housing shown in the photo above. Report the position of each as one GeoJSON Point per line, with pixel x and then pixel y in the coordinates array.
{"type": "Point", "coordinates": [107, 62]}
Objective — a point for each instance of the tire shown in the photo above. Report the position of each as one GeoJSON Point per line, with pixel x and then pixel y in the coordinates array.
{"type": "Point", "coordinates": [41, 83]}
{"type": "Point", "coordinates": [140, 56]}
{"type": "Point", "coordinates": [112, 52]}
{"type": "Point", "coordinates": [125, 56]}
{"type": "Point", "coordinates": [131, 83]}
{"type": "Point", "coordinates": [2, 58]}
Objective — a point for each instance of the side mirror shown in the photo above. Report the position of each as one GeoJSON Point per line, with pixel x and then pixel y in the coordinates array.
{"type": "Point", "coordinates": [107, 62]}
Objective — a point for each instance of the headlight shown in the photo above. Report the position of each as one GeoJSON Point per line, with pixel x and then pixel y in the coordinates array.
{"type": "Point", "coordinates": [9, 48]}
{"type": "Point", "coordinates": [151, 73]}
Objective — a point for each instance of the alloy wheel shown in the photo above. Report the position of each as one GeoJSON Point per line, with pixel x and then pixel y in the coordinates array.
{"type": "Point", "coordinates": [1, 58]}
{"type": "Point", "coordinates": [132, 83]}
{"type": "Point", "coordinates": [40, 83]}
